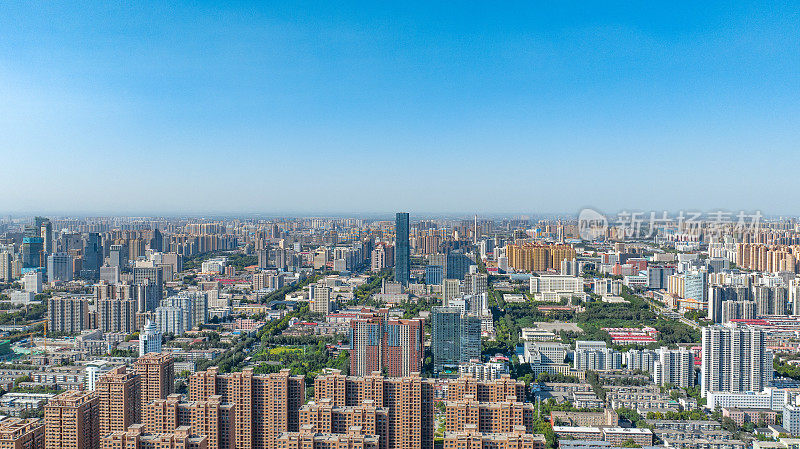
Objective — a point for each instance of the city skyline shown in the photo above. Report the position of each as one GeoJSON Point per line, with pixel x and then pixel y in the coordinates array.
{"type": "Point", "coordinates": [417, 107]}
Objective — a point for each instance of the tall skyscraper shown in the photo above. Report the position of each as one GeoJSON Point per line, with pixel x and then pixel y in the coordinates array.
{"type": "Point", "coordinates": [92, 256]}
{"type": "Point", "coordinates": [32, 252]}
{"type": "Point", "coordinates": [455, 338]}
{"type": "Point", "coordinates": [734, 359]}
{"type": "Point", "coordinates": [59, 267]}
{"type": "Point", "coordinates": [157, 376]}
{"type": "Point", "coordinates": [402, 249]}
{"type": "Point", "coordinates": [72, 421]}
{"type": "Point", "coordinates": [119, 392]}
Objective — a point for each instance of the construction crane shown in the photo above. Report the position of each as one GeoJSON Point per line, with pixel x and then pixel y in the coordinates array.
{"type": "Point", "coordinates": [35, 332]}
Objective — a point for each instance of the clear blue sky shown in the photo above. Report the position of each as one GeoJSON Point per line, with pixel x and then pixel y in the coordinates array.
{"type": "Point", "coordinates": [442, 107]}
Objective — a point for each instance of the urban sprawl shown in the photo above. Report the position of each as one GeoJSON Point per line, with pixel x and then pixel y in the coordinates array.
{"type": "Point", "coordinates": [398, 333]}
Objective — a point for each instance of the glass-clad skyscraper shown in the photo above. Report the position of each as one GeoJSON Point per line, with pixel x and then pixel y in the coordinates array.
{"type": "Point", "coordinates": [402, 251]}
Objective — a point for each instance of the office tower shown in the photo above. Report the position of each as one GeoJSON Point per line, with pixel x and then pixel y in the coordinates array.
{"type": "Point", "coordinates": [149, 339]}
{"type": "Point", "coordinates": [157, 376]}
{"type": "Point", "coordinates": [267, 405]}
{"type": "Point", "coordinates": [657, 277]}
{"type": "Point", "coordinates": [72, 421]}
{"type": "Point", "coordinates": [6, 266]}
{"type": "Point", "coordinates": [33, 281]}
{"type": "Point", "coordinates": [157, 241]}
{"type": "Point", "coordinates": [152, 279]}
{"type": "Point", "coordinates": [32, 252]}
{"type": "Point", "coordinates": [402, 250]}
{"type": "Point", "coordinates": [451, 289]}
{"type": "Point", "coordinates": [734, 359]}
{"type": "Point", "coordinates": [119, 393]}
{"type": "Point", "coordinates": [434, 274]}
{"type": "Point", "coordinates": [322, 299]}
{"type": "Point", "coordinates": [389, 345]}
{"type": "Point", "coordinates": [455, 338]}
{"type": "Point", "coordinates": [19, 433]}
{"type": "Point", "coordinates": [409, 401]}
{"type": "Point", "coordinates": [46, 233]}
{"type": "Point", "coordinates": [109, 275]}
{"type": "Point", "coordinates": [118, 257]}
{"type": "Point", "coordinates": [117, 314]}
{"type": "Point", "coordinates": [59, 267]}
{"type": "Point", "coordinates": [476, 283]}
{"type": "Point", "coordinates": [68, 314]}
{"type": "Point", "coordinates": [92, 256]}
{"type": "Point", "coordinates": [674, 367]}
{"type": "Point", "coordinates": [458, 264]}
{"type": "Point", "coordinates": [695, 286]}
{"type": "Point", "coordinates": [174, 260]}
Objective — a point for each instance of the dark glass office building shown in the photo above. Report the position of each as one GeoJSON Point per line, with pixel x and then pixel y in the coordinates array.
{"type": "Point", "coordinates": [402, 250]}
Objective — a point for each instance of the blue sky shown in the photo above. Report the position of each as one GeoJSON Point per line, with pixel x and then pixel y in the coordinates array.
{"type": "Point", "coordinates": [428, 107]}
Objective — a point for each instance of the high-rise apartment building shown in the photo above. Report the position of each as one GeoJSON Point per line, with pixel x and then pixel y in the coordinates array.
{"type": "Point", "coordinates": [489, 417]}
{"type": "Point", "coordinates": [536, 257]}
{"type": "Point", "coordinates": [734, 359]}
{"type": "Point", "coordinates": [266, 405]}
{"type": "Point", "coordinates": [72, 421]}
{"type": "Point", "coordinates": [402, 249]}
{"type": "Point", "coordinates": [68, 313]}
{"type": "Point", "coordinates": [136, 438]}
{"type": "Point", "coordinates": [386, 345]}
{"type": "Point", "coordinates": [498, 390]}
{"type": "Point", "coordinates": [157, 376]}
{"type": "Point", "coordinates": [674, 367]}
{"type": "Point", "coordinates": [321, 302]}
{"type": "Point", "coordinates": [119, 393]}
{"type": "Point", "coordinates": [210, 418]}
{"type": "Point", "coordinates": [118, 314]}
{"type": "Point", "coordinates": [408, 400]}
{"type": "Point", "coordinates": [20, 433]}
